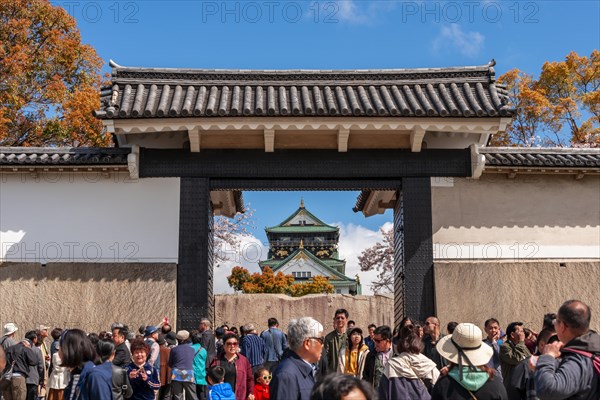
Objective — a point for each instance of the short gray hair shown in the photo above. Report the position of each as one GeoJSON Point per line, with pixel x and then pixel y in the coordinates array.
{"type": "Point", "coordinates": [301, 329]}
{"type": "Point", "coordinates": [206, 321]}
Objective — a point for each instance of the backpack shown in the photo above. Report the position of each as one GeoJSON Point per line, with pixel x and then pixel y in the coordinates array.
{"type": "Point", "coordinates": [595, 358]}
{"type": "Point", "coordinates": [121, 388]}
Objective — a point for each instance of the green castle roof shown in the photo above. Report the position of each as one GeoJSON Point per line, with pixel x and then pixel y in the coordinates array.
{"type": "Point", "coordinates": [318, 226]}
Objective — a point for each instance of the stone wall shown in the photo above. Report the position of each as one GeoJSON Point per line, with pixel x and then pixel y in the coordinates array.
{"type": "Point", "coordinates": [237, 309]}
{"type": "Point", "coordinates": [513, 291]}
{"type": "Point", "coordinates": [88, 296]}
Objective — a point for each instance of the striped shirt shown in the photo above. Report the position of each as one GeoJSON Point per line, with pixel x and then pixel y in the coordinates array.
{"type": "Point", "coordinates": [253, 348]}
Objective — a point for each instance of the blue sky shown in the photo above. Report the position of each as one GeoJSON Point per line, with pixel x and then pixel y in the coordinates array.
{"type": "Point", "coordinates": [335, 35]}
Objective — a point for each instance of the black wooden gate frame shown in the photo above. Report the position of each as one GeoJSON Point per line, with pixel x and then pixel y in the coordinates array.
{"type": "Point", "coordinates": [406, 172]}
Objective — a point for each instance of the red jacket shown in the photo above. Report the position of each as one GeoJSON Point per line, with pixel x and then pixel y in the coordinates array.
{"type": "Point", "coordinates": [261, 392]}
{"type": "Point", "coordinates": [244, 379]}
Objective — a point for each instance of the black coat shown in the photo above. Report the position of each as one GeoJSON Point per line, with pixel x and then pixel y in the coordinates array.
{"type": "Point", "coordinates": [23, 357]}
{"type": "Point", "coordinates": [447, 388]}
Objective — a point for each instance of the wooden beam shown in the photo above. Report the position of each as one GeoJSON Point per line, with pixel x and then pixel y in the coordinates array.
{"type": "Point", "coordinates": [194, 135]}
{"type": "Point", "coordinates": [269, 140]}
{"type": "Point", "coordinates": [342, 138]}
{"type": "Point", "coordinates": [416, 139]}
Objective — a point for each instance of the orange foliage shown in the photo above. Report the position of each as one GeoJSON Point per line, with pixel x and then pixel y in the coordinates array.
{"type": "Point", "coordinates": [49, 80]}
{"type": "Point", "coordinates": [269, 282]}
{"type": "Point", "coordinates": [560, 108]}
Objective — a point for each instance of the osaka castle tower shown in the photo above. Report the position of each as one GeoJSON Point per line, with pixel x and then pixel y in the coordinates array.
{"type": "Point", "coordinates": [304, 246]}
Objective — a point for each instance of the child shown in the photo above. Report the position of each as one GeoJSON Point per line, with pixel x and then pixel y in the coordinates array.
{"type": "Point", "coordinates": [262, 378]}
{"type": "Point", "coordinates": [218, 389]}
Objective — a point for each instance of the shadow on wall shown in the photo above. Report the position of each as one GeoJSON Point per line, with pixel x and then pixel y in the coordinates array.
{"type": "Point", "coordinates": [525, 201]}
{"type": "Point", "coordinates": [151, 272]}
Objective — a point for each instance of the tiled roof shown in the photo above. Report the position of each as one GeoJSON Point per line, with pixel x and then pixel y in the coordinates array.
{"type": "Point", "coordinates": [427, 92]}
{"type": "Point", "coordinates": [530, 159]}
{"type": "Point", "coordinates": [541, 157]}
{"type": "Point", "coordinates": [302, 228]}
{"type": "Point", "coordinates": [21, 156]}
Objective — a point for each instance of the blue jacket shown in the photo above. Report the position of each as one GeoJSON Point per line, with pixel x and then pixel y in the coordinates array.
{"type": "Point", "coordinates": [293, 379]}
{"type": "Point", "coordinates": [98, 384]}
{"type": "Point", "coordinates": [144, 390]}
{"type": "Point", "coordinates": [275, 344]}
{"type": "Point", "coordinates": [199, 364]}
{"type": "Point", "coordinates": [221, 391]}
{"type": "Point", "coordinates": [573, 376]}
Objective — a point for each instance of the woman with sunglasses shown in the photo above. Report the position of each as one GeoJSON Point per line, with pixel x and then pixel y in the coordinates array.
{"type": "Point", "coordinates": [262, 378]}
{"type": "Point", "coordinates": [238, 372]}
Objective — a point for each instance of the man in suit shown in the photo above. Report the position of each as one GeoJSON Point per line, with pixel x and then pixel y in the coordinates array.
{"type": "Point", "coordinates": [294, 378]}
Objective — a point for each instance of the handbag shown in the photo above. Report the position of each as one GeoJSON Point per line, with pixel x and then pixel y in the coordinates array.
{"type": "Point", "coordinates": [6, 378]}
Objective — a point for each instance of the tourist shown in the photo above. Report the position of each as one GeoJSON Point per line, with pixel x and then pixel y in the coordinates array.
{"type": "Point", "coordinates": [262, 379]}
{"type": "Point", "coordinates": [521, 385]}
{"type": "Point", "coordinates": [468, 376]}
{"type": "Point", "coordinates": [408, 374]}
{"type": "Point", "coordinates": [122, 354]}
{"type": "Point", "coordinates": [377, 360]}
{"type": "Point", "coordinates": [181, 361]}
{"type": "Point", "coordinates": [150, 338]}
{"type": "Point", "coordinates": [492, 330]}
{"type": "Point", "coordinates": [164, 373]}
{"type": "Point", "coordinates": [342, 387]}
{"type": "Point", "coordinates": [55, 333]}
{"type": "Point", "coordinates": [573, 375]}
{"type": "Point", "coordinates": [78, 354]}
{"type": "Point", "coordinates": [8, 338]}
{"type": "Point", "coordinates": [23, 357]}
{"type": "Point", "coordinates": [336, 340]}
{"type": "Point", "coordinates": [142, 374]}
{"type": "Point", "coordinates": [199, 365]}
{"type": "Point", "coordinates": [275, 344]}
{"type": "Point", "coordinates": [253, 347]}
{"type": "Point", "coordinates": [353, 356]}
{"type": "Point", "coordinates": [218, 389]}
{"type": "Point", "coordinates": [293, 379]}
{"type": "Point", "coordinates": [432, 336]}
{"type": "Point", "coordinates": [36, 378]}
{"type": "Point", "coordinates": [513, 350]}
{"type": "Point", "coordinates": [58, 378]}
{"type": "Point", "coordinates": [208, 340]}
{"type": "Point", "coordinates": [369, 339]}
{"type": "Point", "coordinates": [238, 372]}
{"type": "Point", "coordinates": [98, 384]}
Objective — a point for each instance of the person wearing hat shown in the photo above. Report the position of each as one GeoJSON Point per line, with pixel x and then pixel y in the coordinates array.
{"type": "Point", "coordinates": [468, 377]}
{"type": "Point", "coordinates": [351, 359]}
{"type": "Point", "coordinates": [181, 361]}
{"type": "Point", "coordinates": [150, 338]}
{"type": "Point", "coordinates": [8, 338]}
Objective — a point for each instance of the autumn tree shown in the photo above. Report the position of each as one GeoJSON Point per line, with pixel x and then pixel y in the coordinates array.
{"type": "Point", "coordinates": [561, 107]}
{"type": "Point", "coordinates": [270, 282]}
{"type": "Point", "coordinates": [380, 257]}
{"type": "Point", "coordinates": [49, 79]}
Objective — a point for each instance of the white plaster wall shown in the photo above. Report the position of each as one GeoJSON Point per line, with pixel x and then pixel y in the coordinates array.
{"type": "Point", "coordinates": [86, 217]}
{"type": "Point", "coordinates": [528, 217]}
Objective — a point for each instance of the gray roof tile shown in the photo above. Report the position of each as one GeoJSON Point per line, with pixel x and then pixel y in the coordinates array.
{"type": "Point", "coordinates": [541, 157]}
{"type": "Point", "coordinates": [431, 92]}
{"type": "Point", "coordinates": [22, 156]}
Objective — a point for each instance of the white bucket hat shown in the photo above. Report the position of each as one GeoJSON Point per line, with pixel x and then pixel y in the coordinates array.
{"type": "Point", "coordinates": [10, 328]}
{"type": "Point", "coordinates": [465, 347]}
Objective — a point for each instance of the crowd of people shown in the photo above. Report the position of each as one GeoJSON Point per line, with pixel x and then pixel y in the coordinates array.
{"type": "Point", "coordinates": [414, 361]}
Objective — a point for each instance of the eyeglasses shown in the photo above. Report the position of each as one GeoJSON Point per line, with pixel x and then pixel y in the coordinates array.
{"type": "Point", "coordinates": [318, 339]}
{"type": "Point", "coordinates": [267, 377]}
{"type": "Point", "coordinates": [231, 343]}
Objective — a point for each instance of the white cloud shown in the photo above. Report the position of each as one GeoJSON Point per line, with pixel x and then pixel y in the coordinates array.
{"type": "Point", "coordinates": [468, 44]}
{"type": "Point", "coordinates": [358, 12]}
{"type": "Point", "coordinates": [353, 240]}
{"type": "Point", "coordinates": [250, 252]}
